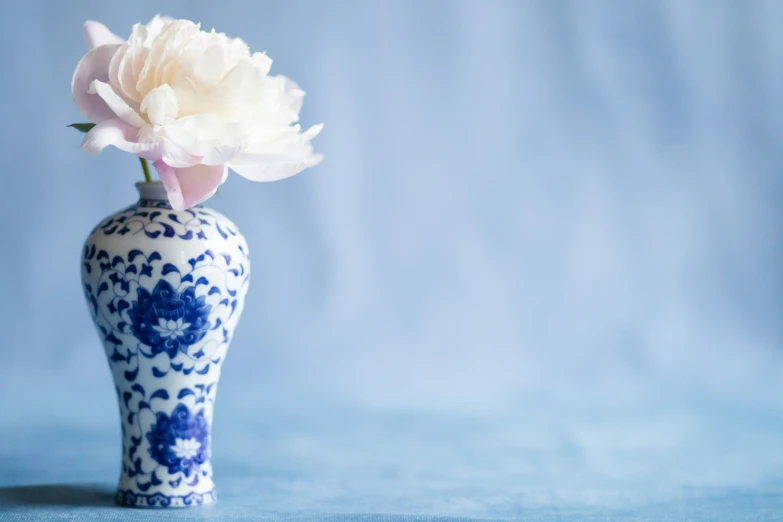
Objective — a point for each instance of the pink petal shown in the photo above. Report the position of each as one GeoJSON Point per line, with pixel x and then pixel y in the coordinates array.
{"type": "Point", "coordinates": [123, 136]}
{"type": "Point", "coordinates": [93, 66]}
{"type": "Point", "coordinates": [95, 34]}
{"type": "Point", "coordinates": [119, 106]}
{"type": "Point", "coordinates": [192, 185]}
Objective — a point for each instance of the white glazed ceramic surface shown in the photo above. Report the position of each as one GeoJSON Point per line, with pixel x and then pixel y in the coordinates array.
{"type": "Point", "coordinates": [166, 289]}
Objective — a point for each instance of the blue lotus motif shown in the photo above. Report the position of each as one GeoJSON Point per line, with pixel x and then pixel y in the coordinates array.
{"type": "Point", "coordinates": [167, 320]}
{"type": "Point", "coordinates": [180, 442]}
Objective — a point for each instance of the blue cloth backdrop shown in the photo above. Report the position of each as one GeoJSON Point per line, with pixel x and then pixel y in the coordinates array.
{"type": "Point", "coordinates": [539, 274]}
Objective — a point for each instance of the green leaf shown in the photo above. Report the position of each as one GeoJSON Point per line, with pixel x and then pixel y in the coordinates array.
{"type": "Point", "coordinates": [82, 127]}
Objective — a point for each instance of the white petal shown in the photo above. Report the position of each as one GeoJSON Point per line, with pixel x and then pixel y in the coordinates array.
{"type": "Point", "coordinates": [121, 135]}
{"type": "Point", "coordinates": [200, 139]}
{"type": "Point", "coordinates": [262, 62]}
{"type": "Point", "coordinates": [243, 84]}
{"type": "Point", "coordinates": [283, 142]}
{"type": "Point", "coordinates": [121, 74]}
{"type": "Point", "coordinates": [313, 131]}
{"type": "Point", "coordinates": [220, 154]}
{"type": "Point", "coordinates": [271, 160]}
{"type": "Point", "coordinates": [273, 168]}
{"type": "Point", "coordinates": [210, 66]}
{"type": "Point", "coordinates": [114, 64]}
{"type": "Point", "coordinates": [177, 156]}
{"type": "Point", "coordinates": [168, 40]}
{"type": "Point", "coordinates": [160, 105]}
{"type": "Point", "coordinates": [119, 106]}
{"type": "Point", "coordinates": [157, 23]}
{"type": "Point", "coordinates": [293, 95]}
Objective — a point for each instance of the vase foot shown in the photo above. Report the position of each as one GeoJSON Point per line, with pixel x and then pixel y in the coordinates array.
{"type": "Point", "coordinates": [159, 500]}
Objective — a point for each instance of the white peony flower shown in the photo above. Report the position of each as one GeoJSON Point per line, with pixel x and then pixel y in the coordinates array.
{"type": "Point", "coordinates": [193, 102]}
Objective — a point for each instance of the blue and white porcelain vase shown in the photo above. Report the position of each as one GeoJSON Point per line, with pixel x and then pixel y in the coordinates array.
{"type": "Point", "coordinates": [165, 289]}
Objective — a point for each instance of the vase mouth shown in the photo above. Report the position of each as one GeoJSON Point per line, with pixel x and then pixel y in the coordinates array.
{"type": "Point", "coordinates": [152, 191]}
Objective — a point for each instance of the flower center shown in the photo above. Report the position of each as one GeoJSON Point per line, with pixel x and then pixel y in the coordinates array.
{"type": "Point", "coordinates": [171, 328]}
{"type": "Point", "coordinates": [186, 448]}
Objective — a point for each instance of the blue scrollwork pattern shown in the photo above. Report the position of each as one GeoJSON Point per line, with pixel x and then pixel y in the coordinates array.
{"type": "Point", "coordinates": [129, 498]}
{"type": "Point", "coordinates": [156, 219]}
{"type": "Point", "coordinates": [165, 289]}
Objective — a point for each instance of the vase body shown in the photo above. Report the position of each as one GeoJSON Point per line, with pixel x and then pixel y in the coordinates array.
{"type": "Point", "coordinates": [165, 289]}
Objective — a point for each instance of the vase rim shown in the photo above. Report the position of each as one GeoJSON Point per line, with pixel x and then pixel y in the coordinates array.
{"type": "Point", "coordinates": [152, 191]}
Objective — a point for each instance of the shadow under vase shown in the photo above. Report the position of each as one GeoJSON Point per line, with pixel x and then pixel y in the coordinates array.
{"type": "Point", "coordinates": [57, 495]}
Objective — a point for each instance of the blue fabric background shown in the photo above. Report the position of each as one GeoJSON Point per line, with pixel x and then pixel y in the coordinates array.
{"type": "Point", "coordinates": [539, 274]}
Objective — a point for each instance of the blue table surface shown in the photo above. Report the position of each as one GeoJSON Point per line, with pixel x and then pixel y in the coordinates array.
{"type": "Point", "coordinates": [300, 458]}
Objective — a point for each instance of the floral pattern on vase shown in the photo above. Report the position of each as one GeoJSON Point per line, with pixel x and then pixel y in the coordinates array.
{"type": "Point", "coordinates": [167, 320]}
{"type": "Point", "coordinates": [180, 441]}
{"type": "Point", "coordinates": [165, 289]}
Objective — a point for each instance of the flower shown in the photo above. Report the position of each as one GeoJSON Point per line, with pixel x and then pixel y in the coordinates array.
{"type": "Point", "coordinates": [193, 102]}
{"type": "Point", "coordinates": [167, 320]}
{"type": "Point", "coordinates": [171, 328]}
{"type": "Point", "coordinates": [179, 442]}
{"type": "Point", "coordinates": [186, 448]}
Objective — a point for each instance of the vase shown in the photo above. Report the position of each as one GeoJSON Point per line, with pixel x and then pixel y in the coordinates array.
{"type": "Point", "coordinates": [165, 289]}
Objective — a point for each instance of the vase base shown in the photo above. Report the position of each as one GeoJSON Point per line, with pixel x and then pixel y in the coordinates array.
{"type": "Point", "coordinates": [159, 500]}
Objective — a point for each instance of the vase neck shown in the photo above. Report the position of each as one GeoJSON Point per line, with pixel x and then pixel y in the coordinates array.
{"type": "Point", "coordinates": [152, 191]}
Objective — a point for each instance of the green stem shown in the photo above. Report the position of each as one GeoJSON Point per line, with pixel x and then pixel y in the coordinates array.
{"type": "Point", "coordinates": [146, 169]}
